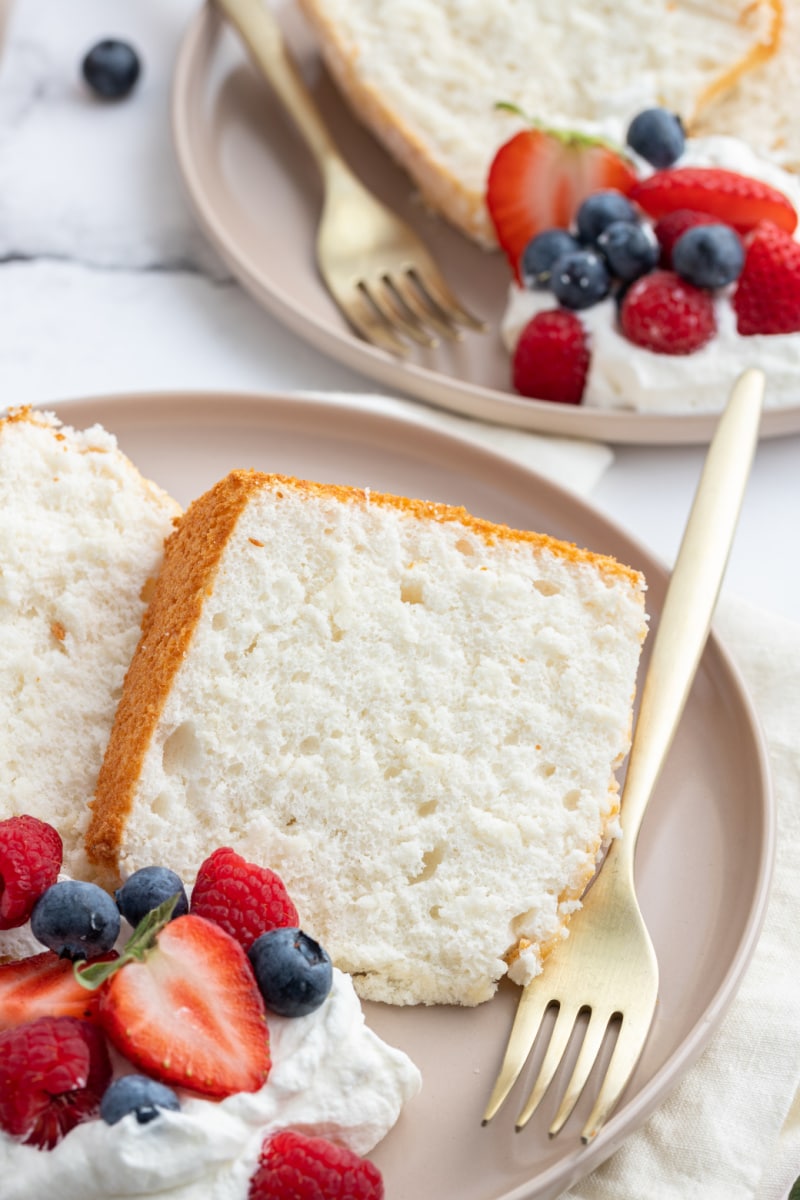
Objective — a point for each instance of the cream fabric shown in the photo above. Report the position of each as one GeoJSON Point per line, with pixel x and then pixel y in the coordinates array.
{"type": "Point", "coordinates": [730, 1130]}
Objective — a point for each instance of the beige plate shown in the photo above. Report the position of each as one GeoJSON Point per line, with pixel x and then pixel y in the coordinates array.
{"type": "Point", "coordinates": [706, 845]}
{"type": "Point", "coordinates": [258, 195]}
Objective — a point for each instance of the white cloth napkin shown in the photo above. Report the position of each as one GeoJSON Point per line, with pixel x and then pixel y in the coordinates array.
{"type": "Point", "coordinates": [730, 1130]}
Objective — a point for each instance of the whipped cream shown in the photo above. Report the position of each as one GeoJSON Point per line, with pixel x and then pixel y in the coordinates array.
{"type": "Point", "coordinates": [331, 1077]}
{"type": "Point", "coordinates": [623, 375]}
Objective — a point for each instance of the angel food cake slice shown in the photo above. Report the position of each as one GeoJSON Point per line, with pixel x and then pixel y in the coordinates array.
{"type": "Point", "coordinates": [414, 716]}
{"type": "Point", "coordinates": [81, 534]}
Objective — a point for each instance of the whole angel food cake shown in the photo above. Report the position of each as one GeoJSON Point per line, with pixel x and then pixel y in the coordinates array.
{"type": "Point", "coordinates": [81, 538]}
{"type": "Point", "coordinates": [155, 1048]}
{"type": "Point", "coordinates": [414, 716]}
{"type": "Point", "coordinates": [427, 77]}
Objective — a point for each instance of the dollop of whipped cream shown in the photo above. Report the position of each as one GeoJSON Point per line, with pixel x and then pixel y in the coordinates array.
{"type": "Point", "coordinates": [331, 1077]}
{"type": "Point", "coordinates": [623, 375]}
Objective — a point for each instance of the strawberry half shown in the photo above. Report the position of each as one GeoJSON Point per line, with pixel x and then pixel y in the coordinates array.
{"type": "Point", "coordinates": [182, 1004]}
{"type": "Point", "coordinates": [539, 179]}
{"type": "Point", "coordinates": [734, 199]}
{"type": "Point", "coordinates": [767, 297]}
{"type": "Point", "coordinates": [43, 985]}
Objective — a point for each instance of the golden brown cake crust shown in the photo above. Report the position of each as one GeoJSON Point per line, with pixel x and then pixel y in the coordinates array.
{"type": "Point", "coordinates": [191, 557]}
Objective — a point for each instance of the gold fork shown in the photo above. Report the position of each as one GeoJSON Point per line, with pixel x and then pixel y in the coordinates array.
{"type": "Point", "coordinates": [607, 966]}
{"type": "Point", "coordinates": [377, 270]}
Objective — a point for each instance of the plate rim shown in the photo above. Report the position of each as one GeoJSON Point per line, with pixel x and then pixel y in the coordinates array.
{"type": "Point", "coordinates": [617, 426]}
{"type": "Point", "coordinates": [580, 1161]}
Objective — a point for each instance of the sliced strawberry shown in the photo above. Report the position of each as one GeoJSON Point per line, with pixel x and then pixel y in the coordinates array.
{"type": "Point", "coordinates": [186, 1010]}
{"type": "Point", "coordinates": [767, 297]}
{"type": "Point", "coordinates": [538, 180]}
{"type": "Point", "coordinates": [43, 986]}
{"type": "Point", "coordinates": [734, 199]}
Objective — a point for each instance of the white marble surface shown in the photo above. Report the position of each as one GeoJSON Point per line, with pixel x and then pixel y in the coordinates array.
{"type": "Point", "coordinates": [106, 283]}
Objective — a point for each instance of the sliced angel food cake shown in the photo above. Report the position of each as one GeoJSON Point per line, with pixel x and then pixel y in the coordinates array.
{"type": "Point", "coordinates": [413, 715]}
{"type": "Point", "coordinates": [82, 533]}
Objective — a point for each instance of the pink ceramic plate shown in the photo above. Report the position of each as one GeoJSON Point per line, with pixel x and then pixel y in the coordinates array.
{"type": "Point", "coordinates": [705, 850]}
{"type": "Point", "coordinates": [257, 194]}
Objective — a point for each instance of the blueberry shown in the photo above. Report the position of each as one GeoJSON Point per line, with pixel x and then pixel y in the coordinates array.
{"type": "Point", "coordinates": [580, 279]}
{"type": "Point", "coordinates": [145, 889]}
{"type": "Point", "coordinates": [709, 256]}
{"type": "Point", "coordinates": [658, 136]}
{"type": "Point", "coordinates": [111, 69]}
{"type": "Point", "coordinates": [541, 252]}
{"type": "Point", "coordinates": [76, 920]}
{"type": "Point", "coordinates": [293, 972]}
{"type": "Point", "coordinates": [599, 210]}
{"type": "Point", "coordinates": [136, 1094]}
{"type": "Point", "coordinates": [629, 250]}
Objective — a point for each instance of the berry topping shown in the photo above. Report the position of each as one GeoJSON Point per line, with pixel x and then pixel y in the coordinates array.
{"type": "Point", "coordinates": [767, 297]}
{"type": "Point", "coordinates": [663, 313]}
{"type": "Point", "coordinates": [630, 250]}
{"type": "Point", "coordinates": [580, 279]}
{"type": "Point", "coordinates": [182, 1005]}
{"type": "Point", "coordinates": [673, 225]}
{"type": "Point", "coordinates": [243, 899]}
{"type": "Point", "coordinates": [542, 252]}
{"type": "Point", "coordinates": [111, 69]}
{"type": "Point", "coordinates": [735, 199]}
{"type": "Point", "coordinates": [30, 859]}
{"type": "Point", "coordinates": [709, 256]}
{"type": "Point", "coordinates": [599, 210]}
{"type": "Point", "coordinates": [76, 920]}
{"type": "Point", "coordinates": [551, 360]}
{"type": "Point", "coordinates": [146, 889]}
{"type": "Point", "coordinates": [136, 1094]}
{"type": "Point", "coordinates": [53, 1072]}
{"type": "Point", "coordinates": [293, 972]}
{"type": "Point", "coordinates": [294, 1166]}
{"type": "Point", "coordinates": [39, 986]}
{"type": "Point", "coordinates": [538, 179]}
{"type": "Point", "coordinates": [657, 136]}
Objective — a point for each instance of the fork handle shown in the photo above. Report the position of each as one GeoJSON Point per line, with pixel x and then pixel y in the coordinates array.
{"type": "Point", "coordinates": [691, 598]}
{"type": "Point", "coordinates": [262, 35]}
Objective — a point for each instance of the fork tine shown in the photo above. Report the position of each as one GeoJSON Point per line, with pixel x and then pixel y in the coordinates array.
{"type": "Point", "coordinates": [593, 1040]}
{"type": "Point", "coordinates": [424, 310]}
{"type": "Point", "coordinates": [366, 321]}
{"type": "Point", "coordinates": [389, 309]}
{"type": "Point", "coordinates": [562, 1032]}
{"type": "Point", "coordinates": [627, 1052]}
{"type": "Point", "coordinates": [533, 1004]}
{"type": "Point", "coordinates": [431, 284]}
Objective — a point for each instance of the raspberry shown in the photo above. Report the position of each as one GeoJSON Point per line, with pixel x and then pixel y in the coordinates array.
{"type": "Point", "coordinates": [293, 1166]}
{"type": "Point", "coordinates": [551, 360]}
{"type": "Point", "coordinates": [663, 313]}
{"type": "Point", "coordinates": [30, 859]}
{"type": "Point", "coordinates": [243, 899]}
{"type": "Point", "coordinates": [673, 225]}
{"type": "Point", "coordinates": [53, 1072]}
{"type": "Point", "coordinates": [767, 298]}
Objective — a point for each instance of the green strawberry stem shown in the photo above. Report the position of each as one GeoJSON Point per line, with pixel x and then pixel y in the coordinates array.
{"type": "Point", "coordinates": [569, 137]}
{"type": "Point", "coordinates": [141, 942]}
